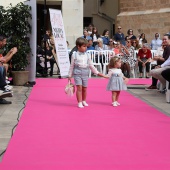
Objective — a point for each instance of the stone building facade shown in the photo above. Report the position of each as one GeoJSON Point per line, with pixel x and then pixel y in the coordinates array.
{"type": "Point", "coordinates": [146, 16]}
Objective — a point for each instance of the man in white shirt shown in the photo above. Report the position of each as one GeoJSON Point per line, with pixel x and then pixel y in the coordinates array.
{"type": "Point", "coordinates": [156, 42]}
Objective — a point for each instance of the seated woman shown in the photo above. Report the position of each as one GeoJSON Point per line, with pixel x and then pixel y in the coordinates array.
{"type": "Point", "coordinates": [135, 44]}
{"type": "Point", "coordinates": [144, 58]}
{"type": "Point", "coordinates": [111, 45]}
{"type": "Point", "coordinates": [128, 61]}
{"type": "Point", "coordinates": [95, 35]}
{"type": "Point", "coordinates": [142, 39]}
{"type": "Point", "coordinates": [101, 47]}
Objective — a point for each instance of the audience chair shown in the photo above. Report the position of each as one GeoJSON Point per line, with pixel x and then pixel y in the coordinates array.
{"type": "Point", "coordinates": [167, 92]}
{"type": "Point", "coordinates": [106, 55]}
{"type": "Point", "coordinates": [135, 70]}
{"type": "Point", "coordinates": [95, 57]}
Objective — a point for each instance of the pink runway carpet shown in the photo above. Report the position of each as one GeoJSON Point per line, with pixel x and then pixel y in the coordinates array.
{"type": "Point", "coordinates": [53, 134]}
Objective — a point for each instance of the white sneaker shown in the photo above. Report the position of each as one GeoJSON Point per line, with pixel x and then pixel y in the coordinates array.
{"type": "Point", "coordinates": [80, 105]}
{"type": "Point", "coordinates": [7, 82]}
{"type": "Point", "coordinates": [114, 104]}
{"type": "Point", "coordinates": [84, 103]}
{"type": "Point", "coordinates": [117, 103]}
{"type": "Point", "coordinates": [8, 87]}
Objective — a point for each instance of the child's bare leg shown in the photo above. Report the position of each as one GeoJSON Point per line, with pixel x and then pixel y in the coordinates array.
{"type": "Point", "coordinates": [79, 93]}
{"type": "Point", "coordinates": [114, 94]}
{"type": "Point", "coordinates": [84, 93]}
{"type": "Point", "coordinates": [117, 96]}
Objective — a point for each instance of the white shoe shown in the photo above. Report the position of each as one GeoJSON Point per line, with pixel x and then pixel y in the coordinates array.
{"type": "Point", "coordinates": [8, 87]}
{"type": "Point", "coordinates": [84, 103]}
{"type": "Point", "coordinates": [114, 104]}
{"type": "Point", "coordinates": [117, 103]}
{"type": "Point", "coordinates": [80, 105]}
{"type": "Point", "coordinates": [7, 82]}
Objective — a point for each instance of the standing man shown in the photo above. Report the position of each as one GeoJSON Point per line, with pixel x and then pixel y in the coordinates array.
{"type": "Point", "coordinates": [119, 36]}
{"type": "Point", "coordinates": [156, 42]}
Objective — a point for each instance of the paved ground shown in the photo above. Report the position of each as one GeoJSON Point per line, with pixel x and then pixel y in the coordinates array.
{"type": "Point", "coordinates": [9, 114]}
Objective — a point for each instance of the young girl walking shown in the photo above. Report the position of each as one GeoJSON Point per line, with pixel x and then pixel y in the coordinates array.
{"type": "Point", "coordinates": [117, 81]}
{"type": "Point", "coordinates": [79, 69]}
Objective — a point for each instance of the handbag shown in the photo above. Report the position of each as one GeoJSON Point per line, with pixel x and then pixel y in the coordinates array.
{"type": "Point", "coordinates": [70, 89]}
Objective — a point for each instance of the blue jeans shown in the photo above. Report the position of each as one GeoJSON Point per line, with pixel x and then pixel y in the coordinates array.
{"type": "Point", "coordinates": [2, 77]}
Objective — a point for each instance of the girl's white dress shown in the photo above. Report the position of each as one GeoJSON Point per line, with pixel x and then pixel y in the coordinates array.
{"type": "Point", "coordinates": [116, 82]}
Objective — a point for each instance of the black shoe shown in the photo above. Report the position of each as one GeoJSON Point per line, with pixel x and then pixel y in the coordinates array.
{"type": "Point", "coordinates": [163, 91]}
{"type": "Point", "coordinates": [140, 77]}
{"type": "Point", "coordinates": [147, 77]}
{"type": "Point", "coordinates": [3, 101]}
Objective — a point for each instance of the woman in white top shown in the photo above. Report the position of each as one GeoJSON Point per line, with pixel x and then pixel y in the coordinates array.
{"type": "Point", "coordinates": [95, 35]}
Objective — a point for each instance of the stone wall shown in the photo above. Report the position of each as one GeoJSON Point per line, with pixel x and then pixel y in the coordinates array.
{"type": "Point", "coordinates": [145, 16]}
{"type": "Point", "coordinates": [142, 5]}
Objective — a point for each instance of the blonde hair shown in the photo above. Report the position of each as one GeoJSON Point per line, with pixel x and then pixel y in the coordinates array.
{"type": "Point", "coordinates": [113, 61]}
{"type": "Point", "coordinates": [100, 40]}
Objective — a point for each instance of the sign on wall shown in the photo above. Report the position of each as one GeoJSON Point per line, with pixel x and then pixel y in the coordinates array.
{"type": "Point", "coordinates": [60, 41]}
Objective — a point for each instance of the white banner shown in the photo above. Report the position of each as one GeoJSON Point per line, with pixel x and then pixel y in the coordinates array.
{"type": "Point", "coordinates": [60, 41]}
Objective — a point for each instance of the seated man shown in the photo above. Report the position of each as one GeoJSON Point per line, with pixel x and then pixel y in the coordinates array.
{"type": "Point", "coordinates": [156, 73]}
{"type": "Point", "coordinates": [90, 43]}
{"type": "Point", "coordinates": [158, 57]}
{"type": "Point", "coordinates": [9, 55]}
{"type": "Point", "coordinates": [4, 91]}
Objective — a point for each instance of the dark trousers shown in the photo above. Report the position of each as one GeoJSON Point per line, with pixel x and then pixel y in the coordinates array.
{"type": "Point", "coordinates": [154, 80]}
{"type": "Point", "coordinates": [141, 67]}
{"type": "Point", "coordinates": [2, 77]}
{"type": "Point", "coordinates": [166, 75]}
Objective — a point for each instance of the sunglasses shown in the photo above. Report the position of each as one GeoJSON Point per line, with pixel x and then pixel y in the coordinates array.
{"type": "Point", "coordinates": [134, 42]}
{"type": "Point", "coordinates": [119, 28]}
{"type": "Point", "coordinates": [128, 41]}
{"type": "Point", "coordinates": [110, 41]}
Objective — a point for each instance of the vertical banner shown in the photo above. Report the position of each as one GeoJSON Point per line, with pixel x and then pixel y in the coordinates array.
{"type": "Point", "coordinates": [60, 41]}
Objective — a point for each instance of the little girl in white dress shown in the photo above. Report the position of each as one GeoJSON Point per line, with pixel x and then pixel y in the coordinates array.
{"type": "Point", "coordinates": [117, 81]}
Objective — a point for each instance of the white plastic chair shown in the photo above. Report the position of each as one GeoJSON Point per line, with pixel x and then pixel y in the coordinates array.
{"type": "Point", "coordinates": [152, 61]}
{"type": "Point", "coordinates": [106, 55]}
{"type": "Point", "coordinates": [95, 57]}
{"type": "Point", "coordinates": [167, 92]}
{"type": "Point", "coordinates": [134, 70]}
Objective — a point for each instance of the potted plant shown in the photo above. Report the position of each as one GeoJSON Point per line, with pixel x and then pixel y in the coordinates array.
{"type": "Point", "coordinates": [15, 25]}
